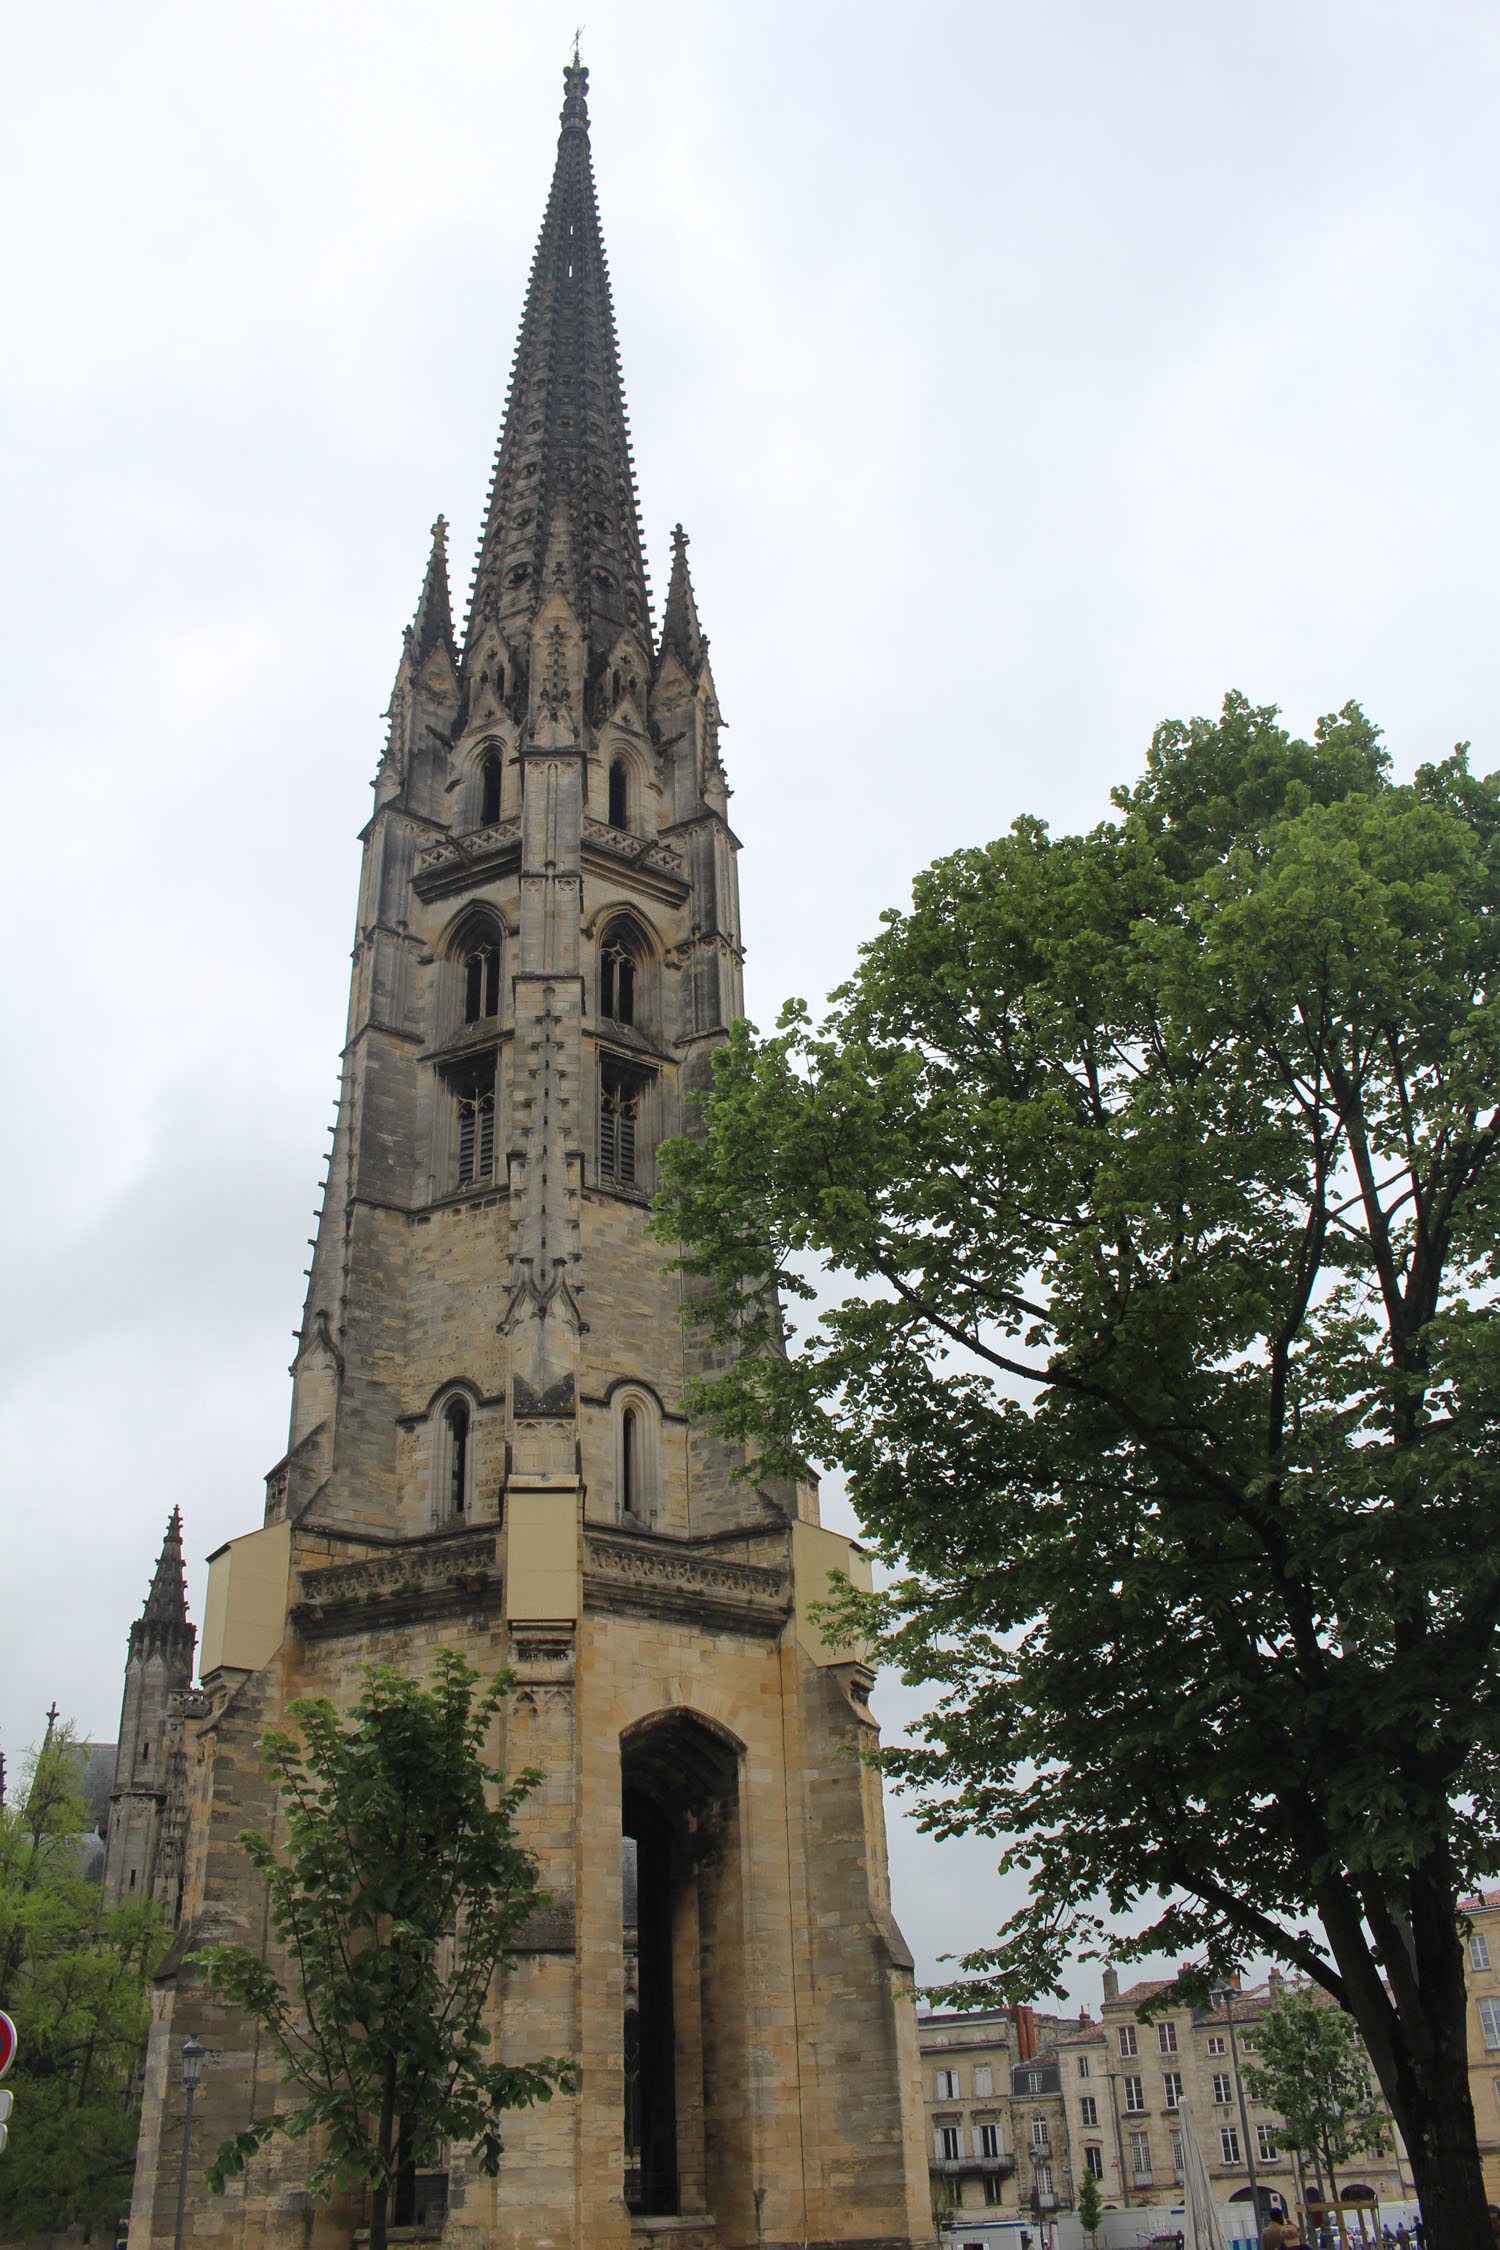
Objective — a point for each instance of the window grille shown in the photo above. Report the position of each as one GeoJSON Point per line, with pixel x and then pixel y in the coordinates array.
{"type": "Point", "coordinates": [1083, 2066]}
{"type": "Point", "coordinates": [619, 1105]}
{"type": "Point", "coordinates": [1140, 2158]}
{"type": "Point", "coordinates": [1171, 2081]}
{"type": "Point", "coordinates": [1044, 2179]}
{"type": "Point", "coordinates": [1039, 2133]}
{"type": "Point", "coordinates": [1215, 2043]}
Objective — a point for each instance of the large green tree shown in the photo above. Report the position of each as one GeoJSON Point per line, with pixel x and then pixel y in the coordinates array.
{"type": "Point", "coordinates": [76, 1983]}
{"type": "Point", "coordinates": [1160, 1168]}
{"type": "Point", "coordinates": [400, 1886]}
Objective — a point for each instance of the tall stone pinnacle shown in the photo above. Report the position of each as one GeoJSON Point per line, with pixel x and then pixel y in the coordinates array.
{"type": "Point", "coordinates": [433, 623]}
{"type": "Point", "coordinates": [680, 630]}
{"type": "Point", "coordinates": [166, 1604]}
{"type": "Point", "coordinates": [562, 509]}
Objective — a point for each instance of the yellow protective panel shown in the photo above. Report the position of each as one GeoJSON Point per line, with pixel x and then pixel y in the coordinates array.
{"type": "Point", "coordinates": [541, 1553]}
{"type": "Point", "coordinates": [814, 1553]}
{"type": "Point", "coordinates": [244, 1616]}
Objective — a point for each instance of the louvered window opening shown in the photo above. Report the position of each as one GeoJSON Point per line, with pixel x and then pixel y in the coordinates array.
{"type": "Point", "coordinates": [476, 1136]}
{"type": "Point", "coordinates": [481, 983]}
{"type": "Point", "coordinates": [617, 984]}
{"type": "Point", "coordinates": [619, 1107]}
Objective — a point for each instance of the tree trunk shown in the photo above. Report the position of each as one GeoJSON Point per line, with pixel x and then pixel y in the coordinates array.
{"type": "Point", "coordinates": [1444, 2157]}
{"type": "Point", "coordinates": [380, 2197]}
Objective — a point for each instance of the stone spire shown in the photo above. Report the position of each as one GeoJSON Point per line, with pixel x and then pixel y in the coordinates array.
{"type": "Point", "coordinates": [166, 1604]}
{"type": "Point", "coordinates": [433, 624]}
{"type": "Point", "coordinates": [680, 631]}
{"type": "Point", "coordinates": [562, 512]}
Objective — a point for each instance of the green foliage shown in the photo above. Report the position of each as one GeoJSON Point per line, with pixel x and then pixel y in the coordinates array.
{"type": "Point", "coordinates": [76, 1982]}
{"type": "Point", "coordinates": [1159, 1166]}
{"type": "Point", "coordinates": [1312, 2070]}
{"type": "Point", "coordinates": [401, 1884]}
{"type": "Point", "coordinates": [1090, 2204]}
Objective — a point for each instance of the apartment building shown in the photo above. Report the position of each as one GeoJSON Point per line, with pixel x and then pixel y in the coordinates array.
{"type": "Point", "coordinates": [1482, 1977]}
{"type": "Point", "coordinates": [997, 2126]}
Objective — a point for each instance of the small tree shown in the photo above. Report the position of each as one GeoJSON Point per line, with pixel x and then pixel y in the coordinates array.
{"type": "Point", "coordinates": [1090, 2205]}
{"type": "Point", "coordinates": [75, 1981]}
{"type": "Point", "coordinates": [1314, 2072]}
{"type": "Point", "coordinates": [402, 1885]}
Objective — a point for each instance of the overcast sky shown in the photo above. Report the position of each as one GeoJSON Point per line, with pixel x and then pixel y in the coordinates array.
{"type": "Point", "coordinates": [1023, 373]}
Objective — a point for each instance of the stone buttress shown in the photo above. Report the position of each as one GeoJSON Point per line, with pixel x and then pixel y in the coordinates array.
{"type": "Point", "coordinates": [488, 1444]}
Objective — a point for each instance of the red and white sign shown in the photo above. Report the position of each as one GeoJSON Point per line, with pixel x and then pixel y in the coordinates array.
{"type": "Point", "coordinates": [7, 2042]}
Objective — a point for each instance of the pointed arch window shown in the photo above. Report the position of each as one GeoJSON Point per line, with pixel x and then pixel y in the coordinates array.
{"type": "Point", "coordinates": [619, 795]}
{"type": "Point", "coordinates": [482, 981]}
{"type": "Point", "coordinates": [490, 773]}
{"type": "Point", "coordinates": [637, 1455]}
{"type": "Point", "coordinates": [616, 978]}
{"type": "Point", "coordinates": [456, 1457]}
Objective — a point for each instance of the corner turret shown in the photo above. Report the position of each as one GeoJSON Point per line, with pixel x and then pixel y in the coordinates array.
{"type": "Point", "coordinates": [147, 1804]}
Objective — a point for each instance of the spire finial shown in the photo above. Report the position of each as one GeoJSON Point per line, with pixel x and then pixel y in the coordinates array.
{"type": "Point", "coordinates": [680, 630]}
{"type": "Point", "coordinates": [434, 619]}
{"type": "Point", "coordinates": [167, 1601]}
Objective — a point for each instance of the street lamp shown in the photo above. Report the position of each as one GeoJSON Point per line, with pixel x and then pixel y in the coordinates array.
{"type": "Point", "coordinates": [192, 2070]}
{"type": "Point", "coordinates": [1223, 1997]}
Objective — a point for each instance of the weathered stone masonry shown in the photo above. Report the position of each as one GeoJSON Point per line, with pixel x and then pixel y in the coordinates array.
{"type": "Point", "coordinates": [488, 1445]}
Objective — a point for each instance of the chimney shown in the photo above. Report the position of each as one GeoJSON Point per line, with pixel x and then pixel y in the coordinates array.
{"type": "Point", "coordinates": [1275, 1980]}
{"type": "Point", "coordinates": [1111, 1985]}
{"type": "Point", "coordinates": [1025, 2023]}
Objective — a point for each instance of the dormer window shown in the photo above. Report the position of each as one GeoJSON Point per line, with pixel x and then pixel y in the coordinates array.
{"type": "Point", "coordinates": [482, 983]}
{"type": "Point", "coordinates": [490, 771]}
{"type": "Point", "coordinates": [619, 795]}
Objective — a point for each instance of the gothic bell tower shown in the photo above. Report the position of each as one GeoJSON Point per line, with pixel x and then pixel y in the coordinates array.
{"type": "Point", "coordinates": [489, 1447]}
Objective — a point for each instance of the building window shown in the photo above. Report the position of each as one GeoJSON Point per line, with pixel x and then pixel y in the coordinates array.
{"type": "Point", "coordinates": [619, 795]}
{"type": "Point", "coordinates": [476, 1131]}
{"type": "Point", "coordinates": [1229, 2142]}
{"type": "Point", "coordinates": [1171, 2086]}
{"type": "Point", "coordinates": [989, 2142]}
{"type": "Point", "coordinates": [1083, 2066]}
{"type": "Point", "coordinates": [489, 782]}
{"type": "Point", "coordinates": [1140, 2158]}
{"type": "Point", "coordinates": [1222, 2087]}
{"type": "Point", "coordinates": [1039, 2132]}
{"type": "Point", "coordinates": [481, 983]}
{"type": "Point", "coordinates": [946, 2082]}
{"type": "Point", "coordinates": [984, 2080]}
{"type": "Point", "coordinates": [1093, 2159]}
{"type": "Point", "coordinates": [619, 1112]}
{"type": "Point", "coordinates": [1214, 2044]}
{"type": "Point", "coordinates": [994, 2189]}
{"type": "Point", "coordinates": [456, 1456]}
{"type": "Point", "coordinates": [1135, 2097]}
{"type": "Point", "coordinates": [1043, 2179]}
{"type": "Point", "coordinates": [1489, 2017]}
{"type": "Point", "coordinates": [1479, 1950]}
{"type": "Point", "coordinates": [1128, 2040]}
{"type": "Point", "coordinates": [1166, 2038]}
{"type": "Point", "coordinates": [1265, 2144]}
{"type": "Point", "coordinates": [1088, 2110]}
{"type": "Point", "coordinates": [1177, 2154]}
{"type": "Point", "coordinates": [616, 978]}
{"type": "Point", "coordinates": [949, 2140]}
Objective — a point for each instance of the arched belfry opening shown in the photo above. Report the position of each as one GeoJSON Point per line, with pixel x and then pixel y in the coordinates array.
{"type": "Point", "coordinates": [684, 2027]}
